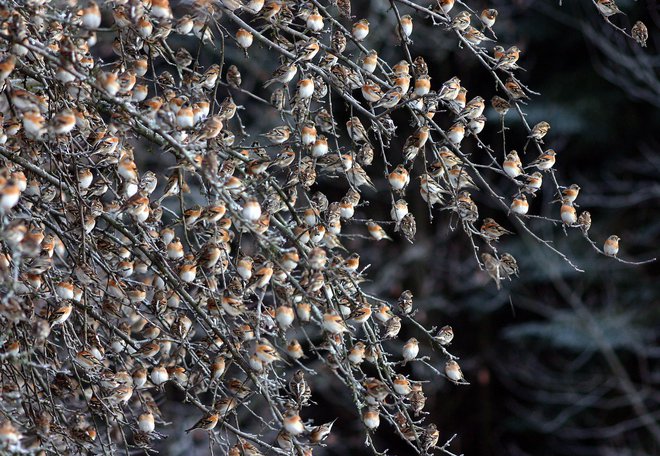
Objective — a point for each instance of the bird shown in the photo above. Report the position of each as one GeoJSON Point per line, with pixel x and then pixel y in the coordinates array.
{"type": "Point", "coordinates": [491, 230]}
{"type": "Point", "coordinates": [399, 178]}
{"type": "Point", "coordinates": [283, 74]}
{"type": "Point", "coordinates": [488, 17]}
{"type": "Point", "coordinates": [278, 135]}
{"type": "Point", "coordinates": [372, 92]}
{"type": "Point", "coordinates": [293, 423]}
{"type": "Point", "coordinates": [539, 131]}
{"type": "Point", "coordinates": [60, 315]}
{"type": "Point", "coordinates": [360, 30]}
{"type": "Point", "coordinates": [390, 99]}
{"type": "Point", "coordinates": [410, 350]}
{"type": "Point", "coordinates": [445, 335]}
{"type": "Point", "coordinates": [568, 213]}
{"type": "Point", "coordinates": [519, 205]}
{"type": "Point", "coordinates": [639, 32]}
{"type": "Point", "coordinates": [308, 51]}
{"type": "Point", "coordinates": [545, 160]}
{"type": "Point", "coordinates": [453, 372]}
{"type": "Point", "coordinates": [611, 245]}
{"type": "Point", "coordinates": [569, 194]}
{"type": "Point", "coordinates": [584, 221]}
{"type": "Point", "coordinates": [493, 268]}
{"type": "Point", "coordinates": [377, 232]}
{"type": "Point", "coordinates": [319, 433]}
{"type": "Point", "coordinates": [207, 422]}
{"type": "Point", "coordinates": [512, 165]}
{"type": "Point", "coordinates": [461, 21]}
{"type": "Point", "coordinates": [608, 7]}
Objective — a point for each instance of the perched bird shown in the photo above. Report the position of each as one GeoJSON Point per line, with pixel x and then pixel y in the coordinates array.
{"type": "Point", "coordinates": [493, 269]}
{"type": "Point", "coordinates": [399, 178]}
{"type": "Point", "coordinates": [539, 131]}
{"type": "Point", "coordinates": [319, 433]}
{"type": "Point", "coordinates": [519, 205]}
{"type": "Point", "coordinates": [545, 161]}
{"type": "Point", "coordinates": [293, 423]}
{"type": "Point", "coordinates": [608, 7]}
{"type": "Point", "coordinates": [461, 21]}
{"type": "Point", "coordinates": [410, 350]}
{"type": "Point", "coordinates": [491, 230]}
{"type": "Point", "coordinates": [445, 335]}
{"type": "Point", "coordinates": [278, 135]}
{"type": "Point", "coordinates": [377, 232]}
{"type": "Point", "coordinates": [568, 213]}
{"type": "Point", "coordinates": [639, 32]}
{"type": "Point", "coordinates": [360, 30]}
{"type": "Point", "coordinates": [584, 221]}
{"type": "Point", "coordinates": [453, 372]}
{"type": "Point", "coordinates": [611, 246]}
{"type": "Point", "coordinates": [206, 423]}
{"type": "Point", "coordinates": [512, 165]}
{"type": "Point", "coordinates": [488, 17]}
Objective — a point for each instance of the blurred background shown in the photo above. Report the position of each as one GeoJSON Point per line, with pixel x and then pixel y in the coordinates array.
{"type": "Point", "coordinates": [560, 362]}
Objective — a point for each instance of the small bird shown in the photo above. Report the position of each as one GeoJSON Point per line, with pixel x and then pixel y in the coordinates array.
{"type": "Point", "coordinates": [608, 7]}
{"type": "Point", "coordinates": [377, 232]}
{"type": "Point", "coordinates": [334, 323]}
{"type": "Point", "coordinates": [568, 213]}
{"type": "Point", "coordinates": [278, 135]}
{"type": "Point", "coordinates": [639, 32]}
{"type": "Point", "coordinates": [446, 5]}
{"type": "Point", "coordinates": [493, 269]}
{"type": "Point", "coordinates": [450, 89]}
{"type": "Point", "coordinates": [372, 92]}
{"type": "Point", "coordinates": [371, 418]}
{"type": "Point", "coordinates": [500, 105]}
{"type": "Point", "coordinates": [360, 30]}
{"type": "Point", "coordinates": [533, 182]}
{"type": "Point", "coordinates": [509, 60]}
{"type": "Point", "coordinates": [319, 433]}
{"type": "Point", "coordinates": [519, 205]}
{"type": "Point", "coordinates": [473, 109]}
{"type": "Point", "coordinates": [314, 21]}
{"type": "Point", "coordinates": [491, 230]}
{"type": "Point", "coordinates": [410, 350]}
{"type": "Point", "coordinates": [461, 21]}
{"type": "Point", "coordinates": [293, 423]}
{"type": "Point", "coordinates": [488, 17]}
{"type": "Point", "coordinates": [207, 422]}
{"type": "Point", "coordinates": [445, 335]}
{"type": "Point", "coordinates": [392, 328]}
{"type": "Point", "coordinates": [284, 74]}
{"type": "Point", "coordinates": [308, 51]}
{"type": "Point", "coordinates": [545, 161]}
{"type": "Point", "coordinates": [512, 165]}
{"type": "Point", "coordinates": [60, 315]}
{"type": "Point", "coordinates": [356, 130]}
{"type": "Point", "coordinates": [405, 28]}
{"type": "Point", "coordinates": [390, 99]}
{"type": "Point", "coordinates": [584, 221]}
{"type": "Point", "coordinates": [456, 133]}
{"type": "Point", "coordinates": [611, 246]}
{"type": "Point", "coordinates": [453, 372]}
{"type": "Point", "coordinates": [570, 194]}
{"type": "Point", "coordinates": [539, 131]}
{"type": "Point", "coordinates": [401, 385]}
{"type": "Point", "coordinates": [244, 38]}
{"type": "Point", "coordinates": [508, 265]}
{"type": "Point", "coordinates": [399, 178]}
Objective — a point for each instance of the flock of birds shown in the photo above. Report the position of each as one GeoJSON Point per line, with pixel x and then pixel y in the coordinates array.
{"type": "Point", "coordinates": [225, 280]}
